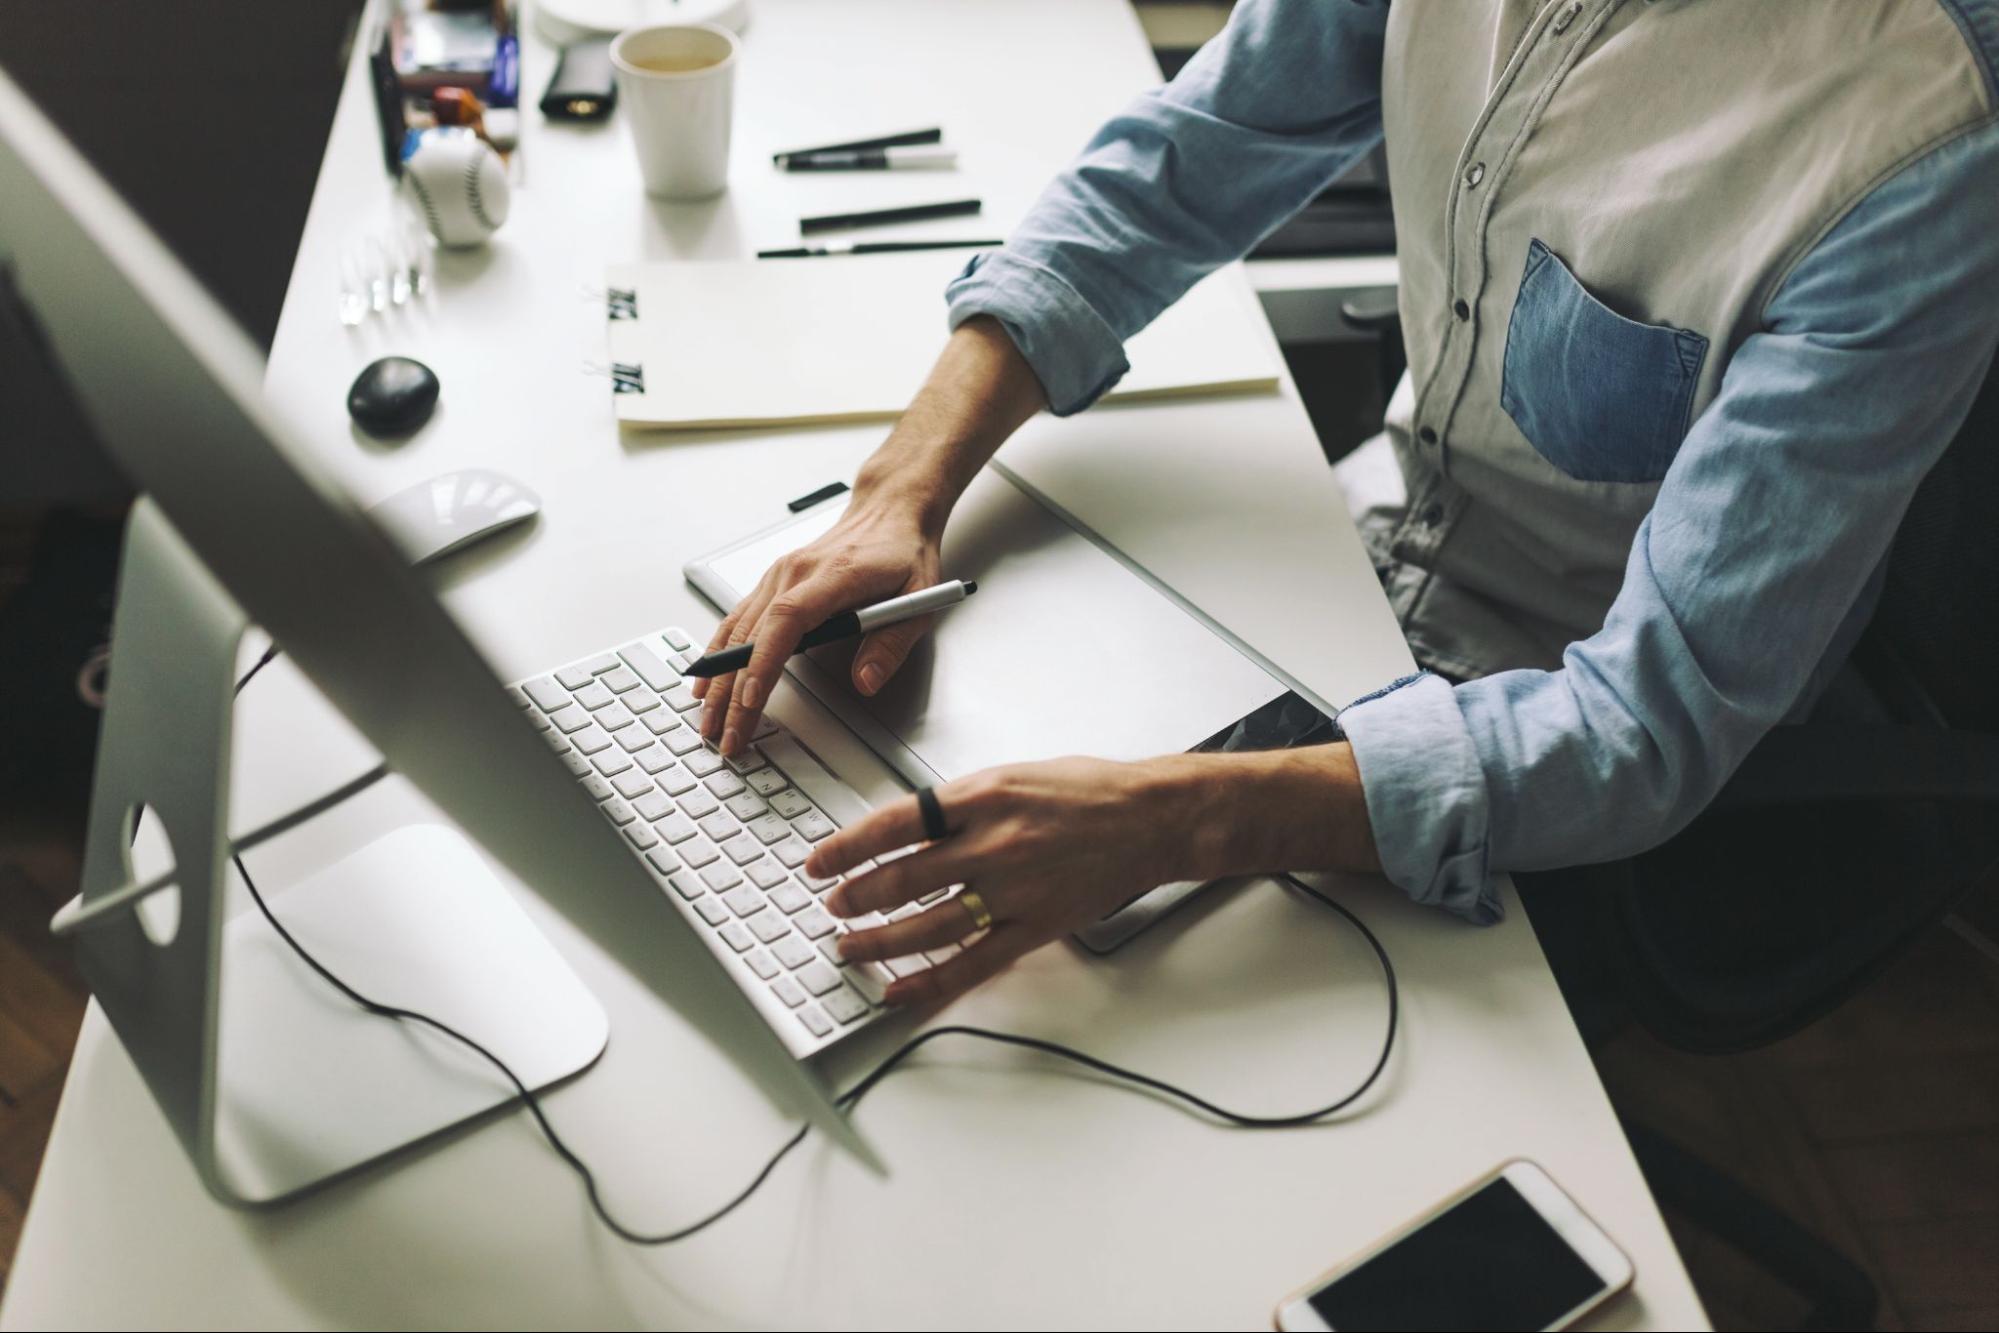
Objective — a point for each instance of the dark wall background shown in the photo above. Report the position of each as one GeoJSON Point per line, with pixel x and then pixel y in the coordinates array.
{"type": "Point", "coordinates": [208, 115]}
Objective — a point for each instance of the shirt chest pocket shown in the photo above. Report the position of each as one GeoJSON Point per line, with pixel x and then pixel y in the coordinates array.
{"type": "Point", "coordinates": [1601, 397]}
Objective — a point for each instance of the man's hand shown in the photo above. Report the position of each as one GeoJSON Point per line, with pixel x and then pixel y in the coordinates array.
{"type": "Point", "coordinates": [1052, 846]}
{"type": "Point", "coordinates": [1048, 846]}
{"type": "Point", "coordinates": [873, 553]}
{"type": "Point", "coordinates": [886, 543]}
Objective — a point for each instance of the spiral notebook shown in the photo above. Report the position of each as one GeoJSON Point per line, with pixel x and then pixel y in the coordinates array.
{"type": "Point", "coordinates": [699, 345]}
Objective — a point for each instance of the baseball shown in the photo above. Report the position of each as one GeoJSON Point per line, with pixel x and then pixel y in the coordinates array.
{"type": "Point", "coordinates": [459, 186]}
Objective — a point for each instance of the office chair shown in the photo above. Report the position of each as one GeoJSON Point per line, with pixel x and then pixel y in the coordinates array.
{"type": "Point", "coordinates": [1837, 844]}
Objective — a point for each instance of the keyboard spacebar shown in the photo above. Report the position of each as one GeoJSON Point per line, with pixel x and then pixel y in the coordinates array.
{"type": "Point", "coordinates": [833, 796]}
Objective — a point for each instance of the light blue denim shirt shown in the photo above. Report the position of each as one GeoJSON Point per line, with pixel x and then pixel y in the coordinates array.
{"type": "Point", "coordinates": [1676, 367]}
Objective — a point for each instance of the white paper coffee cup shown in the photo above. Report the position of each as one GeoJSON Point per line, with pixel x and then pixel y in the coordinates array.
{"type": "Point", "coordinates": [676, 83]}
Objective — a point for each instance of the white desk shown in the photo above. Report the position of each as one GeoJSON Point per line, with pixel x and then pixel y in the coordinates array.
{"type": "Point", "coordinates": [1019, 1196]}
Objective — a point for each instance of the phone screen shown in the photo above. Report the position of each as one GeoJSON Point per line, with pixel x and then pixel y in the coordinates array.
{"type": "Point", "coordinates": [1491, 1261]}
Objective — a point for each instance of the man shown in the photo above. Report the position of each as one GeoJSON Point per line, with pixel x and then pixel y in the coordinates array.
{"type": "Point", "coordinates": [1694, 293]}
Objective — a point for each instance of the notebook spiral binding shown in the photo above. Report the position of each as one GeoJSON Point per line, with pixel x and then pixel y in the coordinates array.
{"type": "Point", "coordinates": [621, 303]}
{"type": "Point", "coordinates": [627, 378]}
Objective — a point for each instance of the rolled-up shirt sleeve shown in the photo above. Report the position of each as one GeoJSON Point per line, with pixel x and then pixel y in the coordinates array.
{"type": "Point", "coordinates": [1188, 177]}
{"type": "Point", "coordinates": [1757, 563]}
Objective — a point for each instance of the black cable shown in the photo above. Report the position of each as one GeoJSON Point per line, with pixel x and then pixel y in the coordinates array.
{"type": "Point", "coordinates": [852, 1097]}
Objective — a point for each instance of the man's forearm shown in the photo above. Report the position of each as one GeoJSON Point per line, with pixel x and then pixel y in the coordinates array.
{"type": "Point", "coordinates": [1297, 809]}
{"type": "Point", "coordinates": [978, 394]}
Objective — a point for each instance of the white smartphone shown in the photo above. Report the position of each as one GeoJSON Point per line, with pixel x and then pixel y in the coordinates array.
{"type": "Point", "coordinates": [1510, 1250]}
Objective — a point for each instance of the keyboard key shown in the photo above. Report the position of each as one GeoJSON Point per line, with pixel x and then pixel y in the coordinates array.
{"type": "Point", "coordinates": [768, 782]}
{"type": "Point", "coordinates": [681, 661]}
{"type": "Point", "coordinates": [591, 739]}
{"type": "Point", "coordinates": [815, 1022]}
{"type": "Point", "coordinates": [678, 638]}
{"type": "Point", "coordinates": [547, 695]}
{"type": "Point", "coordinates": [675, 828]}
{"type": "Point", "coordinates": [685, 882]}
{"type": "Point", "coordinates": [741, 898]}
{"type": "Point", "coordinates": [597, 787]}
{"type": "Point", "coordinates": [540, 720]}
{"type": "Point", "coordinates": [762, 964]}
{"type": "Point", "coordinates": [653, 759]}
{"type": "Point", "coordinates": [594, 696]}
{"type": "Point", "coordinates": [870, 979]}
{"type": "Point", "coordinates": [745, 805]}
{"type": "Point", "coordinates": [743, 851]}
{"type": "Point", "coordinates": [681, 740]}
{"type": "Point", "coordinates": [812, 826]}
{"type": "Point", "coordinates": [601, 663]}
{"type": "Point", "coordinates": [748, 761]}
{"type": "Point", "coordinates": [650, 669]}
{"type": "Point", "coordinates": [788, 898]}
{"type": "Point", "coordinates": [737, 938]}
{"type": "Point", "coordinates": [633, 739]}
{"type": "Point", "coordinates": [768, 828]}
{"type": "Point", "coordinates": [817, 883]}
{"type": "Point", "coordinates": [613, 762]}
{"type": "Point", "coordinates": [653, 805]}
{"type": "Point", "coordinates": [519, 696]}
{"type": "Point", "coordinates": [620, 813]}
{"type": "Point", "coordinates": [569, 719]}
{"type": "Point", "coordinates": [793, 952]}
{"type": "Point", "coordinates": [829, 947]}
{"type": "Point", "coordinates": [697, 852]}
{"type": "Point", "coordinates": [819, 978]}
{"type": "Point", "coordinates": [632, 784]}
{"type": "Point", "coordinates": [676, 781]}
{"type": "Point", "coordinates": [663, 861]}
{"type": "Point", "coordinates": [641, 835]}
{"type": "Point", "coordinates": [907, 967]}
{"type": "Point", "coordinates": [573, 678]}
{"type": "Point", "coordinates": [792, 852]}
{"type": "Point", "coordinates": [556, 740]}
{"type": "Point", "coordinates": [700, 762]}
{"type": "Point", "coordinates": [815, 922]}
{"type": "Point", "coordinates": [768, 926]}
{"type": "Point", "coordinates": [934, 895]}
{"type": "Point", "coordinates": [619, 680]}
{"type": "Point", "coordinates": [698, 804]}
{"type": "Point", "coordinates": [615, 718]}
{"type": "Point", "coordinates": [641, 701]}
{"type": "Point", "coordinates": [943, 952]}
{"type": "Point", "coordinates": [724, 785]}
{"type": "Point", "coordinates": [576, 763]}
{"type": "Point", "coordinates": [764, 871]}
{"type": "Point", "coordinates": [680, 699]}
{"type": "Point", "coordinates": [844, 1005]}
{"type": "Point", "coordinates": [789, 991]}
{"type": "Point", "coordinates": [765, 727]}
{"type": "Point", "coordinates": [720, 827]}
{"type": "Point", "coordinates": [660, 723]}
{"type": "Point", "coordinates": [711, 910]}
{"type": "Point", "coordinates": [904, 912]}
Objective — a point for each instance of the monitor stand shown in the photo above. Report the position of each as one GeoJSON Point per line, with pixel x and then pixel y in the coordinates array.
{"type": "Point", "coordinates": [274, 1081]}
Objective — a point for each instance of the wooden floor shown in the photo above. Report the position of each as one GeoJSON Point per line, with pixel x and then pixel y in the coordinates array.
{"type": "Point", "coordinates": [1877, 1128]}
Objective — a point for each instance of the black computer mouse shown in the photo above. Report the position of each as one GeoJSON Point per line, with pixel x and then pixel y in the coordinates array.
{"type": "Point", "coordinates": [393, 396]}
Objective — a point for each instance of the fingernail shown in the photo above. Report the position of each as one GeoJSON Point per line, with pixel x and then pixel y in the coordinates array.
{"type": "Point", "coordinates": [729, 739]}
{"type": "Point", "coordinates": [753, 693]}
{"type": "Point", "coordinates": [871, 678]}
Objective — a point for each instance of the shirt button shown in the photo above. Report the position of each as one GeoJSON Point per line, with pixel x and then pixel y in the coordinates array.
{"type": "Point", "coordinates": [1475, 175]}
{"type": "Point", "coordinates": [1427, 435]}
{"type": "Point", "coordinates": [1568, 16]}
{"type": "Point", "coordinates": [1461, 310]}
{"type": "Point", "coordinates": [1433, 514]}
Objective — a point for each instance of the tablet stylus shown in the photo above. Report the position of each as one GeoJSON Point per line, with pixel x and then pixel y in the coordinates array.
{"type": "Point", "coordinates": [847, 624]}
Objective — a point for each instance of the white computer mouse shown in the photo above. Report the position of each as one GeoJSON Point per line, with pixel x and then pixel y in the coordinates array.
{"type": "Point", "coordinates": [436, 517]}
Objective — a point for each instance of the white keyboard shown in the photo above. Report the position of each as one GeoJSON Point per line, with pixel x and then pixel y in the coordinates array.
{"type": "Point", "coordinates": [725, 839]}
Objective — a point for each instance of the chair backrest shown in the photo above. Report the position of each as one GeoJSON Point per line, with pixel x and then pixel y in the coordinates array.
{"type": "Point", "coordinates": [1937, 625]}
{"type": "Point", "coordinates": [1750, 925]}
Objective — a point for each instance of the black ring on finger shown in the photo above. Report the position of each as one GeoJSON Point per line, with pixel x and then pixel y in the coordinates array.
{"type": "Point", "coordinates": [933, 814]}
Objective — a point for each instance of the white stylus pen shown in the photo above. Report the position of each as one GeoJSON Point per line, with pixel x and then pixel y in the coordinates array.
{"type": "Point", "coordinates": [848, 624]}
